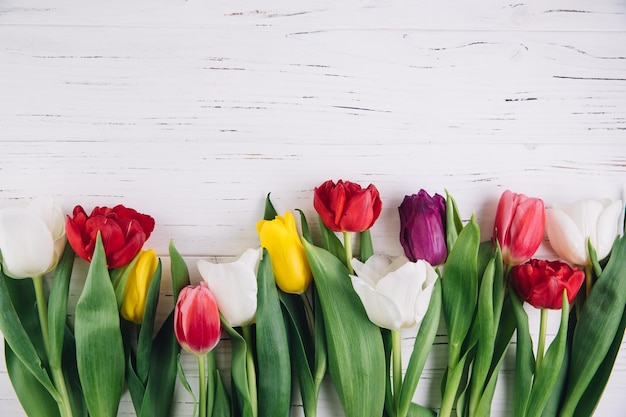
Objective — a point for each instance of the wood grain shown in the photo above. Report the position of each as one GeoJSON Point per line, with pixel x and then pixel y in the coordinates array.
{"type": "Point", "coordinates": [193, 111]}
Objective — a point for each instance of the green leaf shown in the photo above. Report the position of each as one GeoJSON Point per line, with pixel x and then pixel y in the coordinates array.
{"type": "Point", "coordinates": [18, 329]}
{"type": "Point", "coordinates": [416, 410]}
{"type": "Point", "coordinates": [421, 348]}
{"type": "Point", "coordinates": [99, 345]}
{"type": "Point", "coordinates": [179, 271]}
{"type": "Point", "coordinates": [70, 372]}
{"type": "Point", "coordinates": [524, 359]}
{"type": "Point", "coordinates": [547, 374]}
{"type": "Point", "coordinates": [185, 383]}
{"type": "Point", "coordinates": [306, 233]}
{"type": "Point", "coordinates": [144, 343]}
{"type": "Point", "coordinates": [221, 406]}
{"type": "Point", "coordinates": [34, 398]}
{"type": "Point", "coordinates": [367, 248]}
{"type": "Point", "coordinates": [121, 277]}
{"type": "Point", "coordinates": [242, 405]}
{"type": "Point", "coordinates": [159, 395]}
{"type": "Point", "coordinates": [57, 306]}
{"type": "Point", "coordinates": [331, 242]}
{"type": "Point", "coordinates": [460, 288]}
{"type": "Point", "coordinates": [454, 225]}
{"type": "Point", "coordinates": [487, 337]}
{"type": "Point", "coordinates": [270, 212]}
{"type": "Point", "coordinates": [356, 355]}
{"type": "Point", "coordinates": [272, 346]}
{"type": "Point", "coordinates": [597, 326]}
{"type": "Point", "coordinates": [591, 397]}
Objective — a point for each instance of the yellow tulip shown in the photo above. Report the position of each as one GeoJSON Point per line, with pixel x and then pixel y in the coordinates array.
{"type": "Point", "coordinates": [136, 292]}
{"type": "Point", "coordinates": [289, 263]}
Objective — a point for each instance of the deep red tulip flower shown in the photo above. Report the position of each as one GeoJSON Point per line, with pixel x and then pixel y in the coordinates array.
{"type": "Point", "coordinates": [422, 227]}
{"type": "Point", "coordinates": [123, 231]}
{"type": "Point", "coordinates": [346, 207]}
{"type": "Point", "coordinates": [541, 283]}
{"type": "Point", "coordinates": [519, 226]}
{"type": "Point", "coordinates": [197, 320]}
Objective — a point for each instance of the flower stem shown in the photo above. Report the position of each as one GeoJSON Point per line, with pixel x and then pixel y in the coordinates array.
{"type": "Point", "coordinates": [57, 373]}
{"type": "Point", "coordinates": [247, 335]}
{"type": "Point", "coordinates": [396, 349]}
{"type": "Point", "coordinates": [541, 345]}
{"type": "Point", "coordinates": [203, 390]}
{"type": "Point", "coordinates": [347, 245]}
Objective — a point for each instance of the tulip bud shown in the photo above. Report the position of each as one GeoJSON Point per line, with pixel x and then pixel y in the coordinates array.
{"type": "Point", "coordinates": [137, 286]}
{"type": "Point", "coordinates": [519, 226]}
{"type": "Point", "coordinates": [422, 227]}
{"type": "Point", "coordinates": [289, 263]}
{"type": "Point", "coordinates": [569, 226]}
{"type": "Point", "coordinates": [123, 230]}
{"type": "Point", "coordinates": [346, 207]}
{"type": "Point", "coordinates": [541, 283]}
{"type": "Point", "coordinates": [197, 320]}
{"type": "Point", "coordinates": [32, 238]}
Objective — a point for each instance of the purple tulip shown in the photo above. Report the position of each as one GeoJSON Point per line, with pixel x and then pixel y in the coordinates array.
{"type": "Point", "coordinates": [422, 227]}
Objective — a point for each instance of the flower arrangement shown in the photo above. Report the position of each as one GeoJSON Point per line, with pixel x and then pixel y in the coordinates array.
{"type": "Point", "coordinates": [304, 305]}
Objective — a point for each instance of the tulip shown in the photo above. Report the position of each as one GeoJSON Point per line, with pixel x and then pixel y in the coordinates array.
{"type": "Point", "coordinates": [395, 294]}
{"type": "Point", "coordinates": [289, 263]}
{"type": "Point", "coordinates": [123, 231]}
{"type": "Point", "coordinates": [234, 285]}
{"type": "Point", "coordinates": [519, 226]}
{"type": "Point", "coordinates": [197, 320]}
{"type": "Point", "coordinates": [570, 226]}
{"type": "Point", "coordinates": [32, 238]}
{"type": "Point", "coordinates": [346, 207]}
{"type": "Point", "coordinates": [136, 291]}
{"type": "Point", "coordinates": [541, 283]}
{"type": "Point", "coordinates": [422, 227]}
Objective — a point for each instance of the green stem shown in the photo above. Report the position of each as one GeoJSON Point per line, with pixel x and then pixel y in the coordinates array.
{"type": "Point", "coordinates": [57, 373]}
{"type": "Point", "coordinates": [347, 245]}
{"type": "Point", "coordinates": [308, 309]}
{"type": "Point", "coordinates": [396, 349]}
{"type": "Point", "coordinates": [449, 396]}
{"type": "Point", "coordinates": [203, 388]}
{"type": "Point", "coordinates": [541, 345]}
{"type": "Point", "coordinates": [247, 335]}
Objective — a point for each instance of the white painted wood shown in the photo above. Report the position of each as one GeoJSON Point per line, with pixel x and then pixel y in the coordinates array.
{"type": "Point", "coordinates": [193, 111]}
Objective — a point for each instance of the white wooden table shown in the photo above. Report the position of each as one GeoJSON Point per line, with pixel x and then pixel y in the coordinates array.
{"type": "Point", "coordinates": [192, 111]}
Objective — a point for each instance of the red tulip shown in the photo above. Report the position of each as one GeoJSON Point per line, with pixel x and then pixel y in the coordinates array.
{"type": "Point", "coordinates": [123, 231]}
{"type": "Point", "coordinates": [346, 207]}
{"type": "Point", "coordinates": [541, 283]}
{"type": "Point", "coordinates": [519, 226]}
{"type": "Point", "coordinates": [197, 320]}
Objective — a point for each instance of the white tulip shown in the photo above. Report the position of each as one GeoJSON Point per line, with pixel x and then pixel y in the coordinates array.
{"type": "Point", "coordinates": [569, 226]}
{"type": "Point", "coordinates": [32, 238]}
{"type": "Point", "coordinates": [395, 293]}
{"type": "Point", "coordinates": [234, 286]}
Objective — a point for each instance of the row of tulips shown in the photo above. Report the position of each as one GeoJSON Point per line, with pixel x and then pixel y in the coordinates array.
{"type": "Point", "coordinates": [301, 309]}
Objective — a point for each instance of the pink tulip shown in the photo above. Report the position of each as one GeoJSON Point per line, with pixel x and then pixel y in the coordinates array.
{"type": "Point", "coordinates": [197, 320]}
{"type": "Point", "coordinates": [519, 226]}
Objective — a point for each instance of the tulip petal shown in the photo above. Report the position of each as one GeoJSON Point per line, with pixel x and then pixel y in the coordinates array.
{"type": "Point", "coordinates": [565, 237]}
{"type": "Point", "coordinates": [404, 286]}
{"type": "Point", "coordinates": [421, 306]}
{"type": "Point", "coordinates": [608, 228]}
{"type": "Point", "coordinates": [26, 244]}
{"type": "Point", "coordinates": [234, 286]}
{"type": "Point", "coordinates": [381, 310]}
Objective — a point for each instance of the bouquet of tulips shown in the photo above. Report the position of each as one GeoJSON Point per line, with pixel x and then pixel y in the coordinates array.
{"type": "Point", "coordinates": [80, 367]}
{"type": "Point", "coordinates": [307, 309]}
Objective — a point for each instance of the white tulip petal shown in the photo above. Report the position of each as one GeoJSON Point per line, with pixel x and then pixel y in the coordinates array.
{"type": "Point", "coordinates": [584, 214]}
{"type": "Point", "coordinates": [565, 237]}
{"type": "Point", "coordinates": [26, 244]}
{"type": "Point", "coordinates": [51, 214]}
{"type": "Point", "coordinates": [404, 287]}
{"type": "Point", "coordinates": [608, 228]}
{"type": "Point", "coordinates": [234, 286]}
{"type": "Point", "coordinates": [371, 270]}
{"type": "Point", "coordinates": [381, 311]}
{"type": "Point", "coordinates": [421, 306]}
